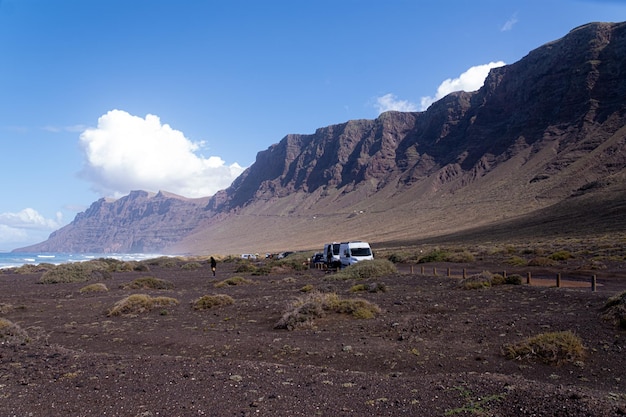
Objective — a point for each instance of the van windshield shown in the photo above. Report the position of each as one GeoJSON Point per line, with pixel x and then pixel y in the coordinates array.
{"type": "Point", "coordinates": [360, 251]}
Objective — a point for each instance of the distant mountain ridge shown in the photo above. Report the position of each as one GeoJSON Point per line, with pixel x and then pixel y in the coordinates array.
{"type": "Point", "coordinates": [542, 132]}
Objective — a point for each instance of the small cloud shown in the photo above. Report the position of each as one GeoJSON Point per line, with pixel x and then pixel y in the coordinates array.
{"type": "Point", "coordinates": [508, 25]}
{"type": "Point", "coordinates": [127, 152]}
{"type": "Point", "coordinates": [26, 226]}
{"type": "Point", "coordinates": [470, 80]}
{"type": "Point", "coordinates": [390, 102]}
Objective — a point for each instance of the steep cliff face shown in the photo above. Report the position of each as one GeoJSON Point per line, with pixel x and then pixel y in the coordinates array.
{"type": "Point", "coordinates": [540, 131]}
{"type": "Point", "coordinates": [140, 222]}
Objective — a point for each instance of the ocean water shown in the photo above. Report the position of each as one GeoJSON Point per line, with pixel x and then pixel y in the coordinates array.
{"type": "Point", "coordinates": [14, 259]}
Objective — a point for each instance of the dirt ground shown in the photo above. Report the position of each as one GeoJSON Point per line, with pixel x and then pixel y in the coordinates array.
{"type": "Point", "coordinates": [434, 350]}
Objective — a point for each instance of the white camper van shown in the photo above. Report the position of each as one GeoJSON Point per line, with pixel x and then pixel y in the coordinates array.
{"type": "Point", "coordinates": [353, 252]}
{"type": "Point", "coordinates": [331, 255]}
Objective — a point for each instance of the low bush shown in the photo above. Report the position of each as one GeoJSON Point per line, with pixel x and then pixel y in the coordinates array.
{"type": "Point", "coordinates": [477, 281]}
{"type": "Point", "coordinates": [162, 261]}
{"type": "Point", "coordinates": [561, 255]}
{"type": "Point", "coordinates": [372, 287]}
{"type": "Point", "coordinates": [210, 301]}
{"type": "Point", "coordinates": [12, 334]}
{"type": "Point", "coordinates": [436, 255]}
{"type": "Point", "coordinates": [541, 261]}
{"type": "Point", "coordinates": [139, 303]}
{"type": "Point", "coordinates": [147, 283]}
{"type": "Point", "coordinates": [516, 261]}
{"type": "Point", "coordinates": [513, 279]}
{"type": "Point", "coordinates": [307, 288]}
{"type": "Point", "coordinates": [233, 281]}
{"type": "Point", "coordinates": [305, 309]}
{"type": "Point", "coordinates": [553, 348]}
{"type": "Point", "coordinates": [366, 269]}
{"type": "Point", "coordinates": [614, 310]}
{"type": "Point", "coordinates": [99, 287]}
{"type": "Point", "coordinates": [75, 272]}
{"type": "Point", "coordinates": [191, 266]}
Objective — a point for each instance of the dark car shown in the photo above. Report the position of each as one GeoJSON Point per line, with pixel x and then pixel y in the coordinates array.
{"type": "Point", "coordinates": [317, 261]}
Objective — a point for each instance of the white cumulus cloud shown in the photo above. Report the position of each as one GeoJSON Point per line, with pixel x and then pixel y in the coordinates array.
{"type": "Point", "coordinates": [390, 102]}
{"type": "Point", "coordinates": [126, 152]}
{"type": "Point", "coordinates": [470, 80]}
{"type": "Point", "coordinates": [22, 227]}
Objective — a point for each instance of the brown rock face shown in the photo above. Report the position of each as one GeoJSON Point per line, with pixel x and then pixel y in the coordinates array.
{"type": "Point", "coordinates": [545, 130]}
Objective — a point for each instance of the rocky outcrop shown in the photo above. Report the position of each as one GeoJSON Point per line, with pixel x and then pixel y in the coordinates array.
{"type": "Point", "coordinates": [537, 133]}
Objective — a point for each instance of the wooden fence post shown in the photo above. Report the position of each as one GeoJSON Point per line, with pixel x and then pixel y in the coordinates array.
{"type": "Point", "coordinates": [528, 278]}
{"type": "Point", "coordinates": [558, 280]}
{"type": "Point", "coordinates": [464, 274]}
{"type": "Point", "coordinates": [411, 269]}
{"type": "Point", "coordinates": [448, 273]}
{"type": "Point", "coordinates": [434, 271]}
{"type": "Point", "coordinates": [422, 269]}
{"type": "Point", "coordinates": [593, 283]}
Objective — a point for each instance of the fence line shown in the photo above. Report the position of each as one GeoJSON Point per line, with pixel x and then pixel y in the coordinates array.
{"type": "Point", "coordinates": [558, 279]}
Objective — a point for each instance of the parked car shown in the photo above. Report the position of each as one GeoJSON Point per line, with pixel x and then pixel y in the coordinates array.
{"type": "Point", "coordinates": [353, 252]}
{"type": "Point", "coordinates": [249, 256]}
{"type": "Point", "coordinates": [317, 260]}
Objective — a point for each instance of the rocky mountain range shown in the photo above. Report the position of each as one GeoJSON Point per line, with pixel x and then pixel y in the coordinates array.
{"type": "Point", "coordinates": [540, 148]}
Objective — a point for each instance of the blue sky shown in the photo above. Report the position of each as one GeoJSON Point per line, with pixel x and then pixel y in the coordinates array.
{"type": "Point", "coordinates": [98, 98]}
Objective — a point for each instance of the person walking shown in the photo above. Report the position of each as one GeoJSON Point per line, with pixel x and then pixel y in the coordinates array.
{"type": "Point", "coordinates": [213, 265]}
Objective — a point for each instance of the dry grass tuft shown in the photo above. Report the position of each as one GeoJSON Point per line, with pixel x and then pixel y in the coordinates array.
{"type": "Point", "coordinates": [148, 283]}
{"type": "Point", "coordinates": [614, 310]}
{"type": "Point", "coordinates": [477, 281]}
{"type": "Point", "coordinates": [210, 301]}
{"type": "Point", "coordinates": [99, 287]}
{"type": "Point", "coordinates": [302, 311]}
{"type": "Point", "coordinates": [233, 281]}
{"type": "Point", "coordinates": [11, 333]}
{"type": "Point", "coordinates": [553, 348]}
{"type": "Point", "coordinates": [139, 303]}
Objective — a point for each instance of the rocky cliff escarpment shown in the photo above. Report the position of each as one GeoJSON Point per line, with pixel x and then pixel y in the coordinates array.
{"type": "Point", "coordinates": [540, 132]}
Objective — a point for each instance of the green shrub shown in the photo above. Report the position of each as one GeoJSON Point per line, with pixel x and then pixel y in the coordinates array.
{"type": "Point", "coordinates": [233, 281]}
{"type": "Point", "coordinates": [463, 256]}
{"type": "Point", "coordinates": [516, 261]}
{"type": "Point", "coordinates": [541, 261]}
{"type": "Point", "coordinates": [139, 303]}
{"type": "Point", "coordinates": [148, 283]}
{"type": "Point", "coordinates": [561, 255]}
{"type": "Point", "coordinates": [99, 287]}
{"type": "Point", "coordinates": [553, 348]}
{"type": "Point", "coordinates": [614, 310]}
{"type": "Point", "coordinates": [498, 279]}
{"type": "Point", "coordinates": [75, 272]}
{"type": "Point", "coordinates": [372, 287]}
{"type": "Point", "coordinates": [367, 269]}
{"type": "Point", "coordinates": [210, 301]}
{"type": "Point", "coordinates": [162, 261]}
{"type": "Point", "coordinates": [305, 309]}
{"type": "Point", "coordinates": [513, 279]}
{"type": "Point", "coordinates": [33, 269]}
{"type": "Point", "coordinates": [436, 255]}
{"type": "Point", "coordinates": [307, 288]}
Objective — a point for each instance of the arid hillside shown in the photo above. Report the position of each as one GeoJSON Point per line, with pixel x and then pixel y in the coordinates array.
{"type": "Point", "coordinates": [543, 138]}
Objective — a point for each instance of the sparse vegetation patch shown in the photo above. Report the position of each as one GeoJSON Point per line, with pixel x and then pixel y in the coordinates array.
{"type": "Point", "coordinates": [237, 280]}
{"type": "Point", "coordinates": [477, 281]}
{"type": "Point", "coordinates": [305, 309]}
{"type": "Point", "coordinates": [366, 270]}
{"type": "Point", "coordinates": [210, 301]}
{"type": "Point", "coordinates": [614, 310]}
{"type": "Point", "coordinates": [148, 283]}
{"type": "Point", "coordinates": [99, 287]}
{"type": "Point", "coordinates": [139, 303]}
{"type": "Point", "coordinates": [553, 348]}
{"type": "Point", "coordinates": [75, 272]}
{"type": "Point", "coordinates": [11, 333]}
